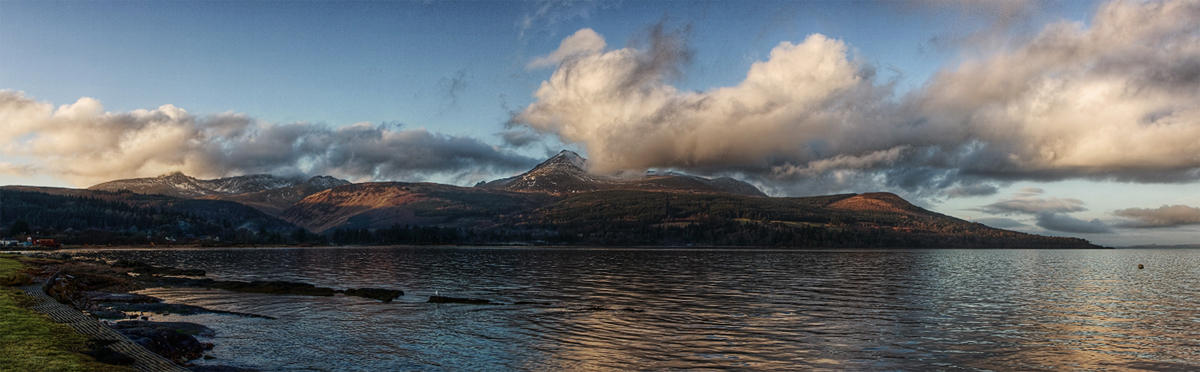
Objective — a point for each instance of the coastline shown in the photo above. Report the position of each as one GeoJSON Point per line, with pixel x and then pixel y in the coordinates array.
{"type": "Point", "coordinates": [32, 340]}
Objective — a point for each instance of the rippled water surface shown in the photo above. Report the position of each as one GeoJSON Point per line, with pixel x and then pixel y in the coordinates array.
{"type": "Point", "coordinates": [663, 309]}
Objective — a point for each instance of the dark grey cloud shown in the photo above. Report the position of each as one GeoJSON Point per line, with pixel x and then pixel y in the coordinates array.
{"type": "Point", "coordinates": [963, 191]}
{"type": "Point", "coordinates": [1065, 223]}
{"type": "Point", "coordinates": [518, 138]}
{"type": "Point", "coordinates": [1164, 216]}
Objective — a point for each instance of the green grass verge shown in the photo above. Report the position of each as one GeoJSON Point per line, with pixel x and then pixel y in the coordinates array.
{"type": "Point", "coordinates": [30, 341]}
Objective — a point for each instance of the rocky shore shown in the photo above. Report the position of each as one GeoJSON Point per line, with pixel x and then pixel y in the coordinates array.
{"type": "Point", "coordinates": [105, 291]}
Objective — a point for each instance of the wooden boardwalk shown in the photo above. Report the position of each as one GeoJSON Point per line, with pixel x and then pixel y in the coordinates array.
{"type": "Point", "coordinates": [144, 360]}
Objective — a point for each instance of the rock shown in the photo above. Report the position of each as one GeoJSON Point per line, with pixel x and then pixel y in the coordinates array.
{"type": "Point", "coordinates": [172, 340]}
{"type": "Point", "coordinates": [99, 349]}
{"type": "Point", "coordinates": [267, 287]}
{"type": "Point", "coordinates": [107, 314]}
{"type": "Point", "coordinates": [385, 295]}
{"type": "Point", "coordinates": [457, 300]}
{"type": "Point", "coordinates": [180, 309]}
{"type": "Point", "coordinates": [73, 281]}
{"type": "Point", "coordinates": [132, 298]}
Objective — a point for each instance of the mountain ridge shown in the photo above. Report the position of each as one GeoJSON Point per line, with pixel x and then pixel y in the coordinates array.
{"type": "Point", "coordinates": [555, 203]}
{"type": "Point", "coordinates": [179, 184]}
{"type": "Point", "coordinates": [566, 173]}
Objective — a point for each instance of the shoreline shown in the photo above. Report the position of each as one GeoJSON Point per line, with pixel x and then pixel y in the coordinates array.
{"type": "Point", "coordinates": [71, 249]}
{"type": "Point", "coordinates": [97, 302]}
{"type": "Point", "coordinates": [143, 359]}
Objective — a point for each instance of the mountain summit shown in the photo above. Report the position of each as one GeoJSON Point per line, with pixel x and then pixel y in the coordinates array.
{"type": "Point", "coordinates": [566, 173]}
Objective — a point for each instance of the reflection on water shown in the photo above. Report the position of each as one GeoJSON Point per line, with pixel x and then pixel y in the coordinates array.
{"type": "Point", "coordinates": [663, 309]}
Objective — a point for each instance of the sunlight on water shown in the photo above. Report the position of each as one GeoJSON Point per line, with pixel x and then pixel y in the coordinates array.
{"type": "Point", "coordinates": [654, 309]}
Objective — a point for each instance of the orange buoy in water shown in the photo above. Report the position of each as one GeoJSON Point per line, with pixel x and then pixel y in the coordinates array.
{"type": "Point", "coordinates": [1141, 267]}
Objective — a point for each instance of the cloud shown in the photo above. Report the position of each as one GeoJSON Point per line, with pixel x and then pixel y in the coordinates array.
{"type": "Point", "coordinates": [519, 138]}
{"type": "Point", "coordinates": [83, 144]}
{"type": "Point", "coordinates": [1065, 223]}
{"type": "Point", "coordinates": [1026, 201]}
{"type": "Point", "coordinates": [583, 42]}
{"type": "Point", "coordinates": [619, 105]}
{"type": "Point", "coordinates": [979, 24]}
{"type": "Point", "coordinates": [811, 117]}
{"type": "Point", "coordinates": [1164, 216]}
{"type": "Point", "coordinates": [964, 191]}
{"type": "Point", "coordinates": [1034, 206]}
{"type": "Point", "coordinates": [16, 169]}
{"type": "Point", "coordinates": [548, 13]}
{"type": "Point", "coordinates": [452, 86]}
{"type": "Point", "coordinates": [1051, 213]}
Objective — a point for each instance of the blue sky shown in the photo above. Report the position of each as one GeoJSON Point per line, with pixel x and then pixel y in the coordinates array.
{"type": "Point", "coordinates": [459, 70]}
{"type": "Point", "coordinates": [346, 62]}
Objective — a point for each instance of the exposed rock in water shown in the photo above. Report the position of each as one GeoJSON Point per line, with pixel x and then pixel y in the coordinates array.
{"type": "Point", "coordinates": [164, 308]}
{"type": "Point", "coordinates": [172, 340]}
{"type": "Point", "coordinates": [267, 287]}
{"type": "Point", "coordinates": [457, 300]}
{"type": "Point", "coordinates": [129, 298]}
{"type": "Point", "coordinates": [385, 295]}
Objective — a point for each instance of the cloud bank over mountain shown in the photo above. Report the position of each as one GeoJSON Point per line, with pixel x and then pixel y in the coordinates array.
{"type": "Point", "coordinates": [84, 144]}
{"type": "Point", "coordinates": [1117, 98]}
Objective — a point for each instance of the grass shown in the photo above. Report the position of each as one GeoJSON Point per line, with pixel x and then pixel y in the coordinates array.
{"type": "Point", "coordinates": [30, 341]}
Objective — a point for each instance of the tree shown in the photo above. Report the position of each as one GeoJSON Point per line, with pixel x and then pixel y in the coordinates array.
{"type": "Point", "coordinates": [19, 227]}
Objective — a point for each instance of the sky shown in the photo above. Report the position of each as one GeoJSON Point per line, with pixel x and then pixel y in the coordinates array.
{"type": "Point", "coordinates": [1072, 118]}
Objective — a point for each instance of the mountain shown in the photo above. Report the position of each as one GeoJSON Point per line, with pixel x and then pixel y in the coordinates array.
{"type": "Point", "coordinates": [267, 193]}
{"type": "Point", "coordinates": [275, 201]}
{"type": "Point", "coordinates": [556, 203]}
{"type": "Point", "coordinates": [384, 204]}
{"type": "Point", "coordinates": [566, 173]}
{"type": "Point", "coordinates": [872, 220]}
{"type": "Point", "coordinates": [181, 185]}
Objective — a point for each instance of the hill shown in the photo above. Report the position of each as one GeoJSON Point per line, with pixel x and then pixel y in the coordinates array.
{"type": "Point", "coordinates": [75, 216]}
{"type": "Point", "coordinates": [875, 220]}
